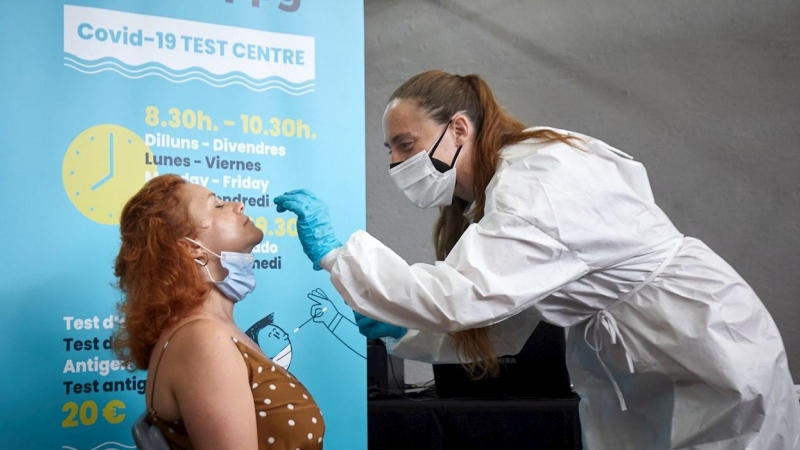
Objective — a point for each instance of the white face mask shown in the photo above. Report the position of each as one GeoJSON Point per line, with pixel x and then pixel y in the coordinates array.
{"type": "Point", "coordinates": [425, 184]}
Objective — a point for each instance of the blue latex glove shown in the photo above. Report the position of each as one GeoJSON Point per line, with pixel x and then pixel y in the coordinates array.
{"type": "Point", "coordinates": [373, 329]}
{"type": "Point", "coordinates": [313, 223]}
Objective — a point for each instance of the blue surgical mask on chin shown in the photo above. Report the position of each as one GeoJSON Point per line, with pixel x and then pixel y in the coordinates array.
{"type": "Point", "coordinates": [241, 279]}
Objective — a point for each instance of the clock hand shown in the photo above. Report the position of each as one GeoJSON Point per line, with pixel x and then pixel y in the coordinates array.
{"type": "Point", "coordinates": [110, 162]}
{"type": "Point", "coordinates": [111, 154]}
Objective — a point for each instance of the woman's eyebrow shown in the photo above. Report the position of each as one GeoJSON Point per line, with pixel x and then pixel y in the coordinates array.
{"type": "Point", "coordinates": [397, 137]}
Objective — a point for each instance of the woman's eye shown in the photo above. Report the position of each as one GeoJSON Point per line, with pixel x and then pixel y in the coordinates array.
{"type": "Point", "coordinates": [220, 206]}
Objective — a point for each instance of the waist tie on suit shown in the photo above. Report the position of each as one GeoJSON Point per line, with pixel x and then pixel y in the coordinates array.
{"type": "Point", "coordinates": [603, 320]}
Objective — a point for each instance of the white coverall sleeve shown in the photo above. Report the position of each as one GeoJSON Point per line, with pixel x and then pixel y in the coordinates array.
{"type": "Point", "coordinates": [500, 267]}
{"type": "Point", "coordinates": [507, 338]}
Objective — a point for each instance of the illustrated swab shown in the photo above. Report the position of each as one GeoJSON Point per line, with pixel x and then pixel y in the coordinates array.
{"type": "Point", "coordinates": [312, 318]}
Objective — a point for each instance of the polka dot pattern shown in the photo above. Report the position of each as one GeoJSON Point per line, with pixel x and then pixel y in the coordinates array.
{"type": "Point", "coordinates": [284, 408]}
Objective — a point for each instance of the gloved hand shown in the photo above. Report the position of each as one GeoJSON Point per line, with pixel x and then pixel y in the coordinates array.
{"type": "Point", "coordinates": [313, 223]}
{"type": "Point", "coordinates": [373, 329]}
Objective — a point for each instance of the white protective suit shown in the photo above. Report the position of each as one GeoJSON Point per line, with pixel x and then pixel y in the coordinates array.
{"type": "Point", "coordinates": [668, 347]}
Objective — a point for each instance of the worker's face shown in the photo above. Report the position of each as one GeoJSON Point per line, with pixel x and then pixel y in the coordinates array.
{"type": "Point", "coordinates": [407, 130]}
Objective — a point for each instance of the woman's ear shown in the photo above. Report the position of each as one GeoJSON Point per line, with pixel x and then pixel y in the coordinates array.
{"type": "Point", "coordinates": [194, 250]}
{"type": "Point", "coordinates": [463, 128]}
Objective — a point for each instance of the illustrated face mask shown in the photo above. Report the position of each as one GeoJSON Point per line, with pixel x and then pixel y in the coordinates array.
{"type": "Point", "coordinates": [284, 357]}
{"type": "Point", "coordinates": [241, 279]}
{"type": "Point", "coordinates": [427, 182]}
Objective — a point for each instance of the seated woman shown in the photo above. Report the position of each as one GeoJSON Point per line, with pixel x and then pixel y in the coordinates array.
{"type": "Point", "coordinates": [183, 264]}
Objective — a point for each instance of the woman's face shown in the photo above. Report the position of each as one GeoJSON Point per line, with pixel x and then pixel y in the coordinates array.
{"type": "Point", "coordinates": [221, 226]}
{"type": "Point", "coordinates": [408, 131]}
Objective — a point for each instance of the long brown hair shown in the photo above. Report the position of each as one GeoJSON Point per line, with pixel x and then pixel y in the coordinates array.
{"type": "Point", "coordinates": [157, 277]}
{"type": "Point", "coordinates": [441, 95]}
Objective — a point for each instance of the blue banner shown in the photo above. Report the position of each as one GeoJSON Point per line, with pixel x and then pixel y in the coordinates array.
{"type": "Point", "coordinates": [248, 98]}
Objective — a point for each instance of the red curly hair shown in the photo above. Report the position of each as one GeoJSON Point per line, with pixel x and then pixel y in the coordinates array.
{"type": "Point", "coordinates": [157, 276]}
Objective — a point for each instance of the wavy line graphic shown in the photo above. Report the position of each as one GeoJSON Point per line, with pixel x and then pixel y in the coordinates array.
{"type": "Point", "coordinates": [295, 93]}
{"type": "Point", "coordinates": [199, 73]}
{"type": "Point", "coordinates": [177, 73]}
{"type": "Point", "coordinates": [182, 76]}
{"type": "Point", "coordinates": [110, 446]}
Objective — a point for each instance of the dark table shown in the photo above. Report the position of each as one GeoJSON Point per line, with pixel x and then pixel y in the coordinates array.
{"type": "Point", "coordinates": [463, 424]}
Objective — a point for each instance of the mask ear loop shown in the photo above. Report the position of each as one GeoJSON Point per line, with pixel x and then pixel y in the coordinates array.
{"type": "Point", "coordinates": [205, 255]}
{"type": "Point", "coordinates": [202, 263]}
{"type": "Point", "coordinates": [453, 163]}
{"type": "Point", "coordinates": [436, 145]}
{"type": "Point", "coordinates": [205, 266]}
{"type": "Point", "coordinates": [203, 247]}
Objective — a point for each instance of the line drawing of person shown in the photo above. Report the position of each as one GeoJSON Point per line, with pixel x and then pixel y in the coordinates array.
{"type": "Point", "coordinates": [277, 344]}
{"type": "Point", "coordinates": [274, 340]}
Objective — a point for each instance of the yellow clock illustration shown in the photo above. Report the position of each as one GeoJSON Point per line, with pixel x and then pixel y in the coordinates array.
{"type": "Point", "coordinates": [103, 167]}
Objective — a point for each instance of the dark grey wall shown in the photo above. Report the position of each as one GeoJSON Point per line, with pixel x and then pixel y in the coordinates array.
{"type": "Point", "coordinates": [705, 94]}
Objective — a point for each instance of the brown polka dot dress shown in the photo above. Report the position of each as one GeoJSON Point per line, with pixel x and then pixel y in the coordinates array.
{"type": "Point", "coordinates": [287, 416]}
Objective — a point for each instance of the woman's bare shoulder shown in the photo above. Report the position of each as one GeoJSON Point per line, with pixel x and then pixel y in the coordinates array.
{"type": "Point", "coordinates": [190, 358]}
{"type": "Point", "coordinates": [201, 340]}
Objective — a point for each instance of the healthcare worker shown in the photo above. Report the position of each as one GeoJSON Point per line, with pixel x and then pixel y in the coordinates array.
{"type": "Point", "coordinates": [668, 347]}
